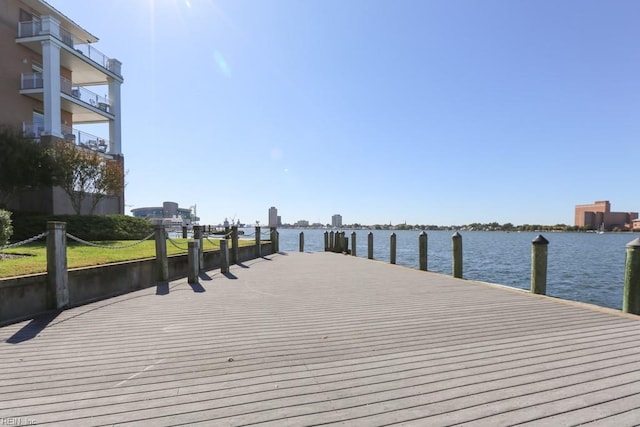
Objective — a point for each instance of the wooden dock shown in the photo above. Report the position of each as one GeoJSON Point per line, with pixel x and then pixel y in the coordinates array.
{"type": "Point", "coordinates": [322, 338]}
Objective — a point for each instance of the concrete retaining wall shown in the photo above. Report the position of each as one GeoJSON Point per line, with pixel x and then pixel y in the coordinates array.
{"type": "Point", "coordinates": [26, 296]}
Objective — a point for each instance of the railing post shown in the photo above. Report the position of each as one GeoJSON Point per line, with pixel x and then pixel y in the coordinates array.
{"type": "Point", "coordinates": [235, 251]}
{"type": "Point", "coordinates": [258, 243]}
{"type": "Point", "coordinates": [162, 262]}
{"type": "Point", "coordinates": [273, 239]}
{"type": "Point", "coordinates": [198, 231]}
{"type": "Point", "coordinates": [353, 243]}
{"type": "Point", "coordinates": [539, 247]}
{"type": "Point", "coordinates": [456, 241]}
{"type": "Point", "coordinates": [392, 248]}
{"type": "Point", "coordinates": [422, 250]}
{"type": "Point", "coordinates": [326, 241]}
{"type": "Point", "coordinates": [224, 256]}
{"type": "Point", "coordinates": [631, 297]}
{"type": "Point", "coordinates": [370, 245]}
{"type": "Point", "coordinates": [301, 241]}
{"type": "Point", "coordinates": [57, 275]}
{"type": "Point", "coordinates": [184, 232]}
{"type": "Point", "coordinates": [192, 262]}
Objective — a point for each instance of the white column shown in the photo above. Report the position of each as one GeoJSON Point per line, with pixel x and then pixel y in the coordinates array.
{"type": "Point", "coordinates": [115, 133]}
{"type": "Point", "coordinates": [51, 78]}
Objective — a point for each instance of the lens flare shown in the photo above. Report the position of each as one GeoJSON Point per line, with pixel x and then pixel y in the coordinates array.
{"type": "Point", "coordinates": [221, 63]}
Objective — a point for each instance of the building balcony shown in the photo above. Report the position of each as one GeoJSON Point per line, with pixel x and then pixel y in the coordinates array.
{"type": "Point", "coordinates": [88, 64]}
{"type": "Point", "coordinates": [78, 137]}
{"type": "Point", "coordinates": [85, 105]}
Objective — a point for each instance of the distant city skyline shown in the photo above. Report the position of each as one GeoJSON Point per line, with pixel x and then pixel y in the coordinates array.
{"type": "Point", "coordinates": [425, 112]}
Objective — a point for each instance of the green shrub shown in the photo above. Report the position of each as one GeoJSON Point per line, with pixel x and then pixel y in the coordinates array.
{"type": "Point", "coordinates": [6, 230]}
{"type": "Point", "coordinates": [87, 227]}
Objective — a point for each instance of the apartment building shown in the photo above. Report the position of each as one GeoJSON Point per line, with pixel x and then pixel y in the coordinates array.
{"type": "Point", "coordinates": [56, 80]}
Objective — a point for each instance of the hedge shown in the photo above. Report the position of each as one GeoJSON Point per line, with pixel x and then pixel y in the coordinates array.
{"type": "Point", "coordinates": [87, 227]}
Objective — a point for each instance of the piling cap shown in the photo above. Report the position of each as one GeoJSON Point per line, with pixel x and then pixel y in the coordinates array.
{"type": "Point", "coordinates": [424, 233]}
{"type": "Point", "coordinates": [540, 240]}
{"type": "Point", "coordinates": [635, 243]}
{"type": "Point", "coordinates": [456, 234]}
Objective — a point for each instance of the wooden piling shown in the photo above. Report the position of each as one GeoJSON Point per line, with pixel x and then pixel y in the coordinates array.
{"type": "Point", "coordinates": [539, 247]}
{"type": "Point", "coordinates": [422, 250]}
{"type": "Point", "coordinates": [456, 241]}
{"type": "Point", "coordinates": [631, 296]}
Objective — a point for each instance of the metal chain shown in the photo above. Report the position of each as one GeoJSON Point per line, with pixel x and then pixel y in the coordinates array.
{"type": "Point", "coordinates": [95, 245]}
{"type": "Point", "coordinates": [24, 242]}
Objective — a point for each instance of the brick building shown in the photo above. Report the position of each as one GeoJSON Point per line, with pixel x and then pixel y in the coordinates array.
{"type": "Point", "coordinates": [598, 216]}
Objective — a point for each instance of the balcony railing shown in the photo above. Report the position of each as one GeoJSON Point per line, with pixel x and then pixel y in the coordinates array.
{"type": "Point", "coordinates": [35, 28]}
{"type": "Point", "coordinates": [36, 81]}
{"type": "Point", "coordinates": [32, 130]}
{"type": "Point", "coordinates": [85, 95]}
{"type": "Point", "coordinates": [82, 139]}
{"type": "Point", "coordinates": [31, 81]}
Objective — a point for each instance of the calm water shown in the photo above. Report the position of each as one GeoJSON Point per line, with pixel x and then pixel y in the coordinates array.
{"type": "Point", "coordinates": [585, 267]}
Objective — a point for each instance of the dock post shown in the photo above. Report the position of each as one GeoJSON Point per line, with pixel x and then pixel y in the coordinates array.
{"type": "Point", "coordinates": [332, 241]}
{"type": "Point", "coordinates": [539, 247]}
{"type": "Point", "coordinates": [224, 256]}
{"type": "Point", "coordinates": [184, 231]}
{"type": "Point", "coordinates": [277, 241]}
{"type": "Point", "coordinates": [353, 243]}
{"type": "Point", "coordinates": [192, 261]}
{"type": "Point", "coordinates": [631, 297]}
{"type": "Point", "coordinates": [258, 245]}
{"type": "Point", "coordinates": [301, 241]}
{"type": "Point", "coordinates": [343, 242]}
{"type": "Point", "coordinates": [57, 275]}
{"type": "Point", "coordinates": [456, 241]}
{"type": "Point", "coordinates": [326, 241]}
{"type": "Point", "coordinates": [392, 248]}
{"type": "Point", "coordinates": [235, 251]}
{"type": "Point", "coordinates": [370, 245]}
{"type": "Point", "coordinates": [198, 232]}
{"type": "Point", "coordinates": [162, 262]}
{"type": "Point", "coordinates": [274, 239]}
{"type": "Point", "coordinates": [422, 250]}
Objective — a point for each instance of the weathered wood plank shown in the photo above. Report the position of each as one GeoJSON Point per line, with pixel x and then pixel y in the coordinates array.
{"type": "Point", "coordinates": [304, 339]}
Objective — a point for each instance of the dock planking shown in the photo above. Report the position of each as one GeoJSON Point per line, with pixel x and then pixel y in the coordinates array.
{"type": "Point", "coordinates": [322, 338]}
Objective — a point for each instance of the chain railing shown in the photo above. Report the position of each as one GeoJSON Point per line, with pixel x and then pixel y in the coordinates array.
{"type": "Point", "coordinates": [176, 245]}
{"type": "Point", "coordinates": [24, 242]}
{"type": "Point", "coordinates": [96, 245]}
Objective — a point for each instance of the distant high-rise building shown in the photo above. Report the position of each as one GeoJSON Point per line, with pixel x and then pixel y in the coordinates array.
{"type": "Point", "coordinates": [273, 216]}
{"type": "Point", "coordinates": [336, 221]}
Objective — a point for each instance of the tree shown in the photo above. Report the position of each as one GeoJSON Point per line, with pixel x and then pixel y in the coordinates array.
{"type": "Point", "coordinates": [83, 174]}
{"type": "Point", "coordinates": [24, 164]}
{"type": "Point", "coordinates": [6, 229]}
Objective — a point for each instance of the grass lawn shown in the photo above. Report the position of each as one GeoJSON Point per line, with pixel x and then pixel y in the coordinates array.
{"type": "Point", "coordinates": [79, 255]}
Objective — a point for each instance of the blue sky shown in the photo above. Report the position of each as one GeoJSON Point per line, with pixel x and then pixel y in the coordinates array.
{"type": "Point", "coordinates": [430, 112]}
